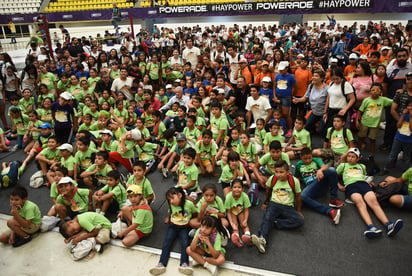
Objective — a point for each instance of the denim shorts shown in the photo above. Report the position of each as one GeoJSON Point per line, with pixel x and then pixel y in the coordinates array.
{"type": "Point", "coordinates": [360, 187]}
{"type": "Point", "coordinates": [285, 101]}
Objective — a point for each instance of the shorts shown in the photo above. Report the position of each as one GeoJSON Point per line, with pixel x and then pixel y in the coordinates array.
{"type": "Point", "coordinates": [225, 185]}
{"type": "Point", "coordinates": [39, 149]}
{"type": "Point", "coordinates": [140, 234]}
{"type": "Point", "coordinates": [285, 101]}
{"type": "Point", "coordinates": [360, 187]}
{"type": "Point", "coordinates": [297, 153]}
{"type": "Point", "coordinates": [103, 236]}
{"type": "Point", "coordinates": [264, 172]}
{"type": "Point", "coordinates": [70, 213]}
{"type": "Point", "coordinates": [371, 132]}
{"type": "Point", "coordinates": [206, 162]}
{"type": "Point", "coordinates": [331, 155]}
{"type": "Point", "coordinates": [33, 228]}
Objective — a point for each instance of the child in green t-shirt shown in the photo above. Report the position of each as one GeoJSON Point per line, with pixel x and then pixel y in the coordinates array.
{"type": "Point", "coordinates": [113, 193]}
{"type": "Point", "coordinates": [49, 155]}
{"type": "Point", "coordinates": [159, 127]}
{"type": "Point", "coordinates": [218, 122]}
{"type": "Point", "coordinates": [273, 135]}
{"type": "Point", "coordinates": [188, 173]}
{"type": "Point", "coordinates": [147, 152]}
{"type": "Point", "coordinates": [190, 131]}
{"type": "Point", "coordinates": [26, 103]}
{"type": "Point", "coordinates": [25, 221]}
{"type": "Point", "coordinates": [301, 138]}
{"type": "Point", "coordinates": [282, 197]}
{"type": "Point", "coordinates": [33, 132]}
{"type": "Point", "coordinates": [84, 156]}
{"type": "Point", "coordinates": [371, 111]}
{"type": "Point", "coordinates": [170, 142]}
{"type": "Point", "coordinates": [71, 200]}
{"type": "Point", "coordinates": [66, 160]}
{"type": "Point", "coordinates": [233, 170]}
{"type": "Point", "coordinates": [206, 248]}
{"type": "Point", "coordinates": [174, 155]}
{"type": "Point", "coordinates": [54, 192]}
{"type": "Point", "coordinates": [237, 206]}
{"type": "Point", "coordinates": [139, 217]}
{"type": "Point", "coordinates": [138, 178]}
{"type": "Point", "coordinates": [96, 174]}
{"type": "Point", "coordinates": [20, 124]}
{"type": "Point", "coordinates": [260, 134]}
{"type": "Point", "coordinates": [205, 153]}
{"type": "Point", "coordinates": [359, 191]}
{"type": "Point", "coordinates": [403, 199]}
{"type": "Point", "coordinates": [247, 151]}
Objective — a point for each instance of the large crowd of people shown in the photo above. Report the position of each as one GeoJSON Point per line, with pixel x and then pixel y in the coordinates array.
{"type": "Point", "coordinates": [234, 102]}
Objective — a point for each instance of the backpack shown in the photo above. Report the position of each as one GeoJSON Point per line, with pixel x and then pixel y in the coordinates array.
{"type": "Point", "coordinates": [290, 181]}
{"type": "Point", "coordinates": [342, 88]}
{"type": "Point", "coordinates": [344, 132]}
{"type": "Point", "coordinates": [253, 194]}
{"type": "Point", "coordinates": [384, 193]}
{"type": "Point", "coordinates": [36, 180]}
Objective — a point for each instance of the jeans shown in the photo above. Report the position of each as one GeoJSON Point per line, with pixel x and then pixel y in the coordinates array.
{"type": "Point", "coordinates": [318, 188]}
{"type": "Point", "coordinates": [311, 124]}
{"type": "Point", "coordinates": [282, 216]}
{"type": "Point", "coordinates": [114, 21]}
{"type": "Point", "coordinates": [390, 127]}
{"type": "Point", "coordinates": [397, 147]}
{"type": "Point", "coordinates": [13, 173]}
{"type": "Point", "coordinates": [172, 232]}
{"type": "Point", "coordinates": [20, 142]}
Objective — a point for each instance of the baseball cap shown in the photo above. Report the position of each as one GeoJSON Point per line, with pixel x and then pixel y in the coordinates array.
{"type": "Point", "coordinates": [242, 60]}
{"type": "Point", "coordinates": [409, 74]}
{"type": "Point", "coordinates": [283, 65]}
{"type": "Point", "coordinates": [220, 91]}
{"type": "Point", "coordinates": [301, 56]}
{"type": "Point", "coordinates": [353, 56]}
{"type": "Point", "coordinates": [169, 86]}
{"type": "Point", "coordinates": [106, 131]}
{"type": "Point", "coordinates": [385, 48]}
{"type": "Point", "coordinates": [355, 151]}
{"type": "Point", "coordinates": [66, 95]}
{"type": "Point", "coordinates": [136, 135]}
{"type": "Point", "coordinates": [363, 57]}
{"type": "Point", "coordinates": [180, 137]}
{"type": "Point", "coordinates": [134, 190]}
{"type": "Point", "coordinates": [177, 80]}
{"type": "Point", "coordinates": [45, 126]}
{"type": "Point", "coordinates": [333, 60]}
{"type": "Point", "coordinates": [66, 146]}
{"type": "Point", "coordinates": [266, 79]}
{"type": "Point", "coordinates": [66, 179]}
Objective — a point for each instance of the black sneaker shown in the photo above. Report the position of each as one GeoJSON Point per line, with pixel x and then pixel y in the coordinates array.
{"type": "Point", "coordinates": [19, 241]}
{"type": "Point", "coordinates": [384, 147]}
{"type": "Point", "coordinates": [175, 176]}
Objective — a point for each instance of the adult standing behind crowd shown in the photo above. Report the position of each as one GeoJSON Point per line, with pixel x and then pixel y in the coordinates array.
{"type": "Point", "coordinates": [362, 81]}
{"type": "Point", "coordinates": [191, 53]}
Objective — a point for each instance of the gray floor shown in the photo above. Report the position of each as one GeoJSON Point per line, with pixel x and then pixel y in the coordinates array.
{"type": "Point", "coordinates": [317, 248]}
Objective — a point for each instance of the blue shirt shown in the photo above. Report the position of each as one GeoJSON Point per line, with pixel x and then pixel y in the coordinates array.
{"type": "Point", "coordinates": [284, 85]}
{"type": "Point", "coordinates": [405, 127]}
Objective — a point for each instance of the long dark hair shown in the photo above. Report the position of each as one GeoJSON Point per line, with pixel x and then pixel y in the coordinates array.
{"type": "Point", "coordinates": [214, 222]}
{"type": "Point", "coordinates": [176, 191]}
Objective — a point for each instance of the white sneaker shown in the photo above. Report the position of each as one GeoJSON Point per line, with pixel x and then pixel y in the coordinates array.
{"type": "Point", "coordinates": [185, 269]}
{"type": "Point", "coordinates": [211, 268]}
{"type": "Point", "coordinates": [158, 269]}
{"type": "Point", "coordinates": [260, 243]}
{"type": "Point", "coordinates": [192, 262]}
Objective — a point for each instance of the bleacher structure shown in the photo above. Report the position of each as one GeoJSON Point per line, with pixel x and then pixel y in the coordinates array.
{"type": "Point", "coordinates": [19, 6]}
{"type": "Point", "coordinates": [84, 5]}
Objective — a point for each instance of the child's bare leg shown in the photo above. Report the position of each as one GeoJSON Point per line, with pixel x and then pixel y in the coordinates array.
{"type": "Point", "coordinates": [362, 208]}
{"type": "Point", "coordinates": [373, 146]}
{"type": "Point", "coordinates": [291, 155]}
{"type": "Point", "coordinates": [216, 261]}
{"type": "Point", "coordinates": [88, 181]}
{"type": "Point", "coordinates": [131, 238]}
{"type": "Point", "coordinates": [97, 202]}
{"type": "Point", "coordinates": [243, 223]}
{"type": "Point", "coordinates": [16, 228]}
{"type": "Point", "coordinates": [224, 221]}
{"type": "Point", "coordinates": [361, 142]}
{"type": "Point", "coordinates": [316, 153]}
{"type": "Point", "coordinates": [52, 212]}
{"type": "Point", "coordinates": [373, 203]}
{"type": "Point", "coordinates": [127, 214]}
{"type": "Point", "coordinates": [226, 191]}
{"type": "Point", "coordinates": [4, 238]}
{"type": "Point", "coordinates": [43, 166]}
{"type": "Point", "coordinates": [396, 200]}
{"type": "Point", "coordinates": [194, 223]}
{"type": "Point", "coordinates": [171, 160]}
{"type": "Point", "coordinates": [50, 176]}
{"type": "Point", "coordinates": [30, 155]}
{"type": "Point", "coordinates": [196, 254]}
{"type": "Point", "coordinates": [61, 210]}
{"type": "Point", "coordinates": [106, 204]}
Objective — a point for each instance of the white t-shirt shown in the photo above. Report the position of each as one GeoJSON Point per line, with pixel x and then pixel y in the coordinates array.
{"type": "Point", "coordinates": [258, 107]}
{"type": "Point", "coordinates": [191, 55]}
{"type": "Point", "coordinates": [118, 84]}
{"type": "Point", "coordinates": [234, 65]}
{"type": "Point", "coordinates": [336, 99]}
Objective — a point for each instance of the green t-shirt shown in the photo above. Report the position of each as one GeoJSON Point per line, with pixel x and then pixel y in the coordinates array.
{"type": "Point", "coordinates": [206, 152]}
{"type": "Point", "coordinates": [260, 136]}
{"type": "Point", "coordinates": [48, 79]}
{"type": "Point", "coordinates": [84, 127]}
{"type": "Point", "coordinates": [169, 145]}
{"type": "Point", "coordinates": [282, 192]}
{"type": "Point", "coordinates": [49, 154]}
{"type": "Point", "coordinates": [227, 173]}
{"type": "Point", "coordinates": [110, 100]}
{"type": "Point", "coordinates": [351, 173]}
{"type": "Point", "coordinates": [122, 115]}
{"type": "Point", "coordinates": [101, 175]}
{"type": "Point", "coordinates": [267, 160]}
{"type": "Point", "coordinates": [41, 98]}
{"type": "Point", "coordinates": [180, 150]}
{"type": "Point", "coordinates": [45, 115]}
{"type": "Point", "coordinates": [54, 192]}
{"type": "Point", "coordinates": [145, 184]}
{"type": "Point", "coordinates": [146, 153]}
{"type": "Point", "coordinates": [179, 218]}
{"type": "Point", "coordinates": [129, 145]}
{"type": "Point", "coordinates": [92, 82]}
{"type": "Point", "coordinates": [112, 147]}
{"type": "Point", "coordinates": [21, 123]}
{"type": "Point", "coordinates": [216, 242]}
{"type": "Point", "coordinates": [247, 154]}
{"type": "Point", "coordinates": [30, 211]}
{"type": "Point", "coordinates": [34, 133]}
{"type": "Point", "coordinates": [153, 70]}
{"type": "Point", "coordinates": [160, 128]}
{"type": "Point", "coordinates": [69, 163]}
{"type": "Point", "coordinates": [191, 135]}
{"type": "Point", "coordinates": [337, 141]}
{"type": "Point", "coordinates": [79, 203]}
{"type": "Point", "coordinates": [144, 218]}
{"type": "Point", "coordinates": [308, 172]}
{"type": "Point", "coordinates": [145, 132]}
{"type": "Point", "coordinates": [269, 138]}
{"type": "Point", "coordinates": [26, 106]}
{"type": "Point", "coordinates": [216, 206]}
{"type": "Point", "coordinates": [302, 137]}
{"type": "Point", "coordinates": [84, 159]}
{"type": "Point", "coordinates": [372, 110]}
{"type": "Point", "coordinates": [63, 86]}
{"type": "Point", "coordinates": [114, 74]}
{"type": "Point", "coordinates": [217, 125]}
{"type": "Point", "coordinates": [407, 176]}
{"type": "Point", "coordinates": [90, 220]}
{"type": "Point", "coordinates": [76, 91]}
{"type": "Point", "coordinates": [119, 193]}
{"type": "Point", "coordinates": [237, 206]}
{"type": "Point", "coordinates": [171, 113]}
{"type": "Point", "coordinates": [187, 175]}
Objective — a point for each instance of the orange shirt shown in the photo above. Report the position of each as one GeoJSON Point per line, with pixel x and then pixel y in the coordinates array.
{"type": "Point", "coordinates": [245, 72]}
{"type": "Point", "coordinates": [261, 75]}
{"type": "Point", "coordinates": [363, 50]}
{"type": "Point", "coordinates": [349, 71]}
{"type": "Point", "coordinates": [303, 79]}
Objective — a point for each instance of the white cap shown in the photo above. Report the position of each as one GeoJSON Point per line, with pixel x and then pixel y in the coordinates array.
{"type": "Point", "coordinates": [385, 48]}
{"type": "Point", "coordinates": [363, 57]}
{"type": "Point", "coordinates": [333, 60]}
{"type": "Point", "coordinates": [136, 135]}
{"type": "Point", "coordinates": [242, 60]}
{"type": "Point", "coordinates": [283, 65]}
{"type": "Point", "coordinates": [66, 179]}
{"type": "Point", "coordinates": [66, 95]}
{"type": "Point", "coordinates": [355, 151]}
{"type": "Point", "coordinates": [168, 86]}
{"type": "Point", "coordinates": [301, 56]}
{"type": "Point", "coordinates": [266, 79]}
{"type": "Point", "coordinates": [106, 131]}
{"type": "Point", "coordinates": [177, 80]}
{"type": "Point", "coordinates": [353, 56]}
{"type": "Point", "coordinates": [67, 147]}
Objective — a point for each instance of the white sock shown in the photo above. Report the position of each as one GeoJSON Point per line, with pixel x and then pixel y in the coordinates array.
{"type": "Point", "coordinates": [247, 233]}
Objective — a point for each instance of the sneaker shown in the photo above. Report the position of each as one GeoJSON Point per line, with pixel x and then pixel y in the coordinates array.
{"type": "Point", "coordinates": [336, 203]}
{"type": "Point", "coordinates": [348, 201]}
{"type": "Point", "coordinates": [372, 232]}
{"type": "Point", "coordinates": [14, 148]}
{"type": "Point", "coordinates": [246, 239]}
{"type": "Point", "coordinates": [192, 233]}
{"type": "Point", "coordinates": [334, 214]}
{"type": "Point", "coordinates": [6, 181]}
{"type": "Point", "coordinates": [19, 241]}
{"type": "Point", "coordinates": [175, 176]}
{"type": "Point", "coordinates": [289, 133]}
{"type": "Point", "coordinates": [192, 262]}
{"type": "Point", "coordinates": [211, 268]}
{"type": "Point", "coordinates": [158, 269]}
{"type": "Point", "coordinates": [260, 243]}
{"type": "Point", "coordinates": [236, 240]}
{"type": "Point", "coordinates": [99, 248]}
{"type": "Point", "coordinates": [165, 172]}
{"type": "Point", "coordinates": [185, 269]}
{"type": "Point", "coordinates": [394, 227]}
{"type": "Point", "coordinates": [7, 142]}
